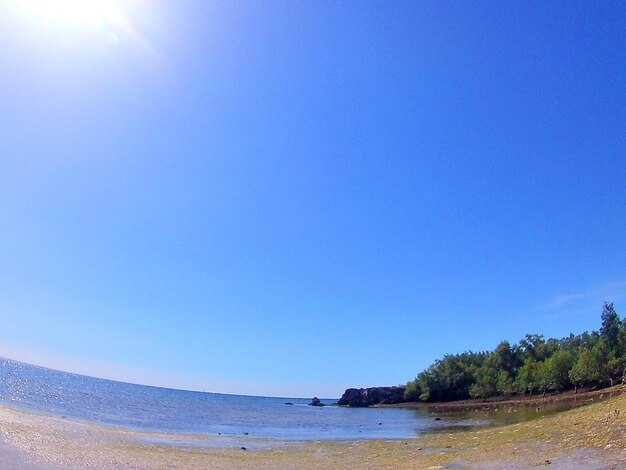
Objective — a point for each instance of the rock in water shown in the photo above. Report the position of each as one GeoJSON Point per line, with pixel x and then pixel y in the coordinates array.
{"type": "Point", "coordinates": [316, 402]}
{"type": "Point", "coordinates": [359, 397]}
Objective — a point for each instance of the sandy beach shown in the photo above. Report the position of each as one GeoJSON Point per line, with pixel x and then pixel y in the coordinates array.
{"type": "Point", "coordinates": [590, 437]}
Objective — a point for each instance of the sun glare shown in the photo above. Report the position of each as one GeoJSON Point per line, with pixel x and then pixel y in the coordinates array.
{"type": "Point", "coordinates": [74, 12]}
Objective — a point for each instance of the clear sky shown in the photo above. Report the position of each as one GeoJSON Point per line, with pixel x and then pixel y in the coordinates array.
{"type": "Point", "coordinates": [293, 198]}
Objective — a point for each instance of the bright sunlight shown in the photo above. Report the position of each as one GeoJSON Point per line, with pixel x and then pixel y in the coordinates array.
{"type": "Point", "coordinates": [72, 12]}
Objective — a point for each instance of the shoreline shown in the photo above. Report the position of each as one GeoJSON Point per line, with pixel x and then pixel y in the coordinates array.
{"type": "Point", "coordinates": [593, 436]}
{"type": "Point", "coordinates": [568, 398]}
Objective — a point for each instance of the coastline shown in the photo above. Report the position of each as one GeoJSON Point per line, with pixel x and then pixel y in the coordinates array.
{"type": "Point", "coordinates": [568, 398]}
{"type": "Point", "coordinates": [593, 436]}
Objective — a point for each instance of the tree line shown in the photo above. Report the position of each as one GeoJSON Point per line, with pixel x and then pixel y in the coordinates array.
{"type": "Point", "coordinates": [533, 365]}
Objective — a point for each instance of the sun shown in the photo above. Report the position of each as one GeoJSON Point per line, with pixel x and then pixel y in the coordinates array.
{"type": "Point", "coordinates": [81, 19]}
{"type": "Point", "coordinates": [72, 12]}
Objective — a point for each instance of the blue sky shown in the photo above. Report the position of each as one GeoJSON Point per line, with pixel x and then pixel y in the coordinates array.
{"type": "Point", "coordinates": [293, 198]}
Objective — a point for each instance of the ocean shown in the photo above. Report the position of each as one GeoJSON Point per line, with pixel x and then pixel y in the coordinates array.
{"type": "Point", "coordinates": [192, 416]}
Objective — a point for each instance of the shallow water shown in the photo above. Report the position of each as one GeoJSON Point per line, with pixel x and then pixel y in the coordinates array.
{"type": "Point", "coordinates": [196, 416]}
{"type": "Point", "coordinates": [500, 414]}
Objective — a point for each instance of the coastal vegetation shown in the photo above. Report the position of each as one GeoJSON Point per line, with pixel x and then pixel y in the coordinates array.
{"type": "Point", "coordinates": [533, 365]}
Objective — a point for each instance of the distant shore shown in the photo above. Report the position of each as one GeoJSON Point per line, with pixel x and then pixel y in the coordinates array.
{"type": "Point", "coordinates": [587, 437]}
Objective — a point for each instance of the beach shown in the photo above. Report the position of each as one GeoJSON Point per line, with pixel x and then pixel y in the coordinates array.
{"type": "Point", "coordinates": [593, 436]}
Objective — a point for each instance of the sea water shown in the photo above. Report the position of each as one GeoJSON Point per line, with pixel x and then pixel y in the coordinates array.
{"type": "Point", "coordinates": [179, 412]}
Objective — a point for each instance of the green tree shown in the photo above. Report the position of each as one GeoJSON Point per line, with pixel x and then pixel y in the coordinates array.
{"type": "Point", "coordinates": [450, 378]}
{"type": "Point", "coordinates": [507, 359]}
{"type": "Point", "coordinates": [413, 390]}
{"type": "Point", "coordinates": [601, 354]}
{"type": "Point", "coordinates": [542, 377]}
{"type": "Point", "coordinates": [528, 378]}
{"type": "Point", "coordinates": [611, 326]}
{"type": "Point", "coordinates": [557, 368]}
{"type": "Point", "coordinates": [505, 385]}
{"type": "Point", "coordinates": [615, 369]}
{"type": "Point", "coordinates": [486, 378]}
{"type": "Point", "coordinates": [531, 347]}
{"type": "Point", "coordinates": [585, 371]}
{"type": "Point", "coordinates": [534, 364]}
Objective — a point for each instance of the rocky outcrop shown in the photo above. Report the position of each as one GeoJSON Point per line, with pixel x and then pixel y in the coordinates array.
{"type": "Point", "coordinates": [316, 402]}
{"type": "Point", "coordinates": [360, 397]}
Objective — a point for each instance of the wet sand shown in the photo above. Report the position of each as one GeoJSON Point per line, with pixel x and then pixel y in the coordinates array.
{"type": "Point", "coordinates": [590, 437]}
